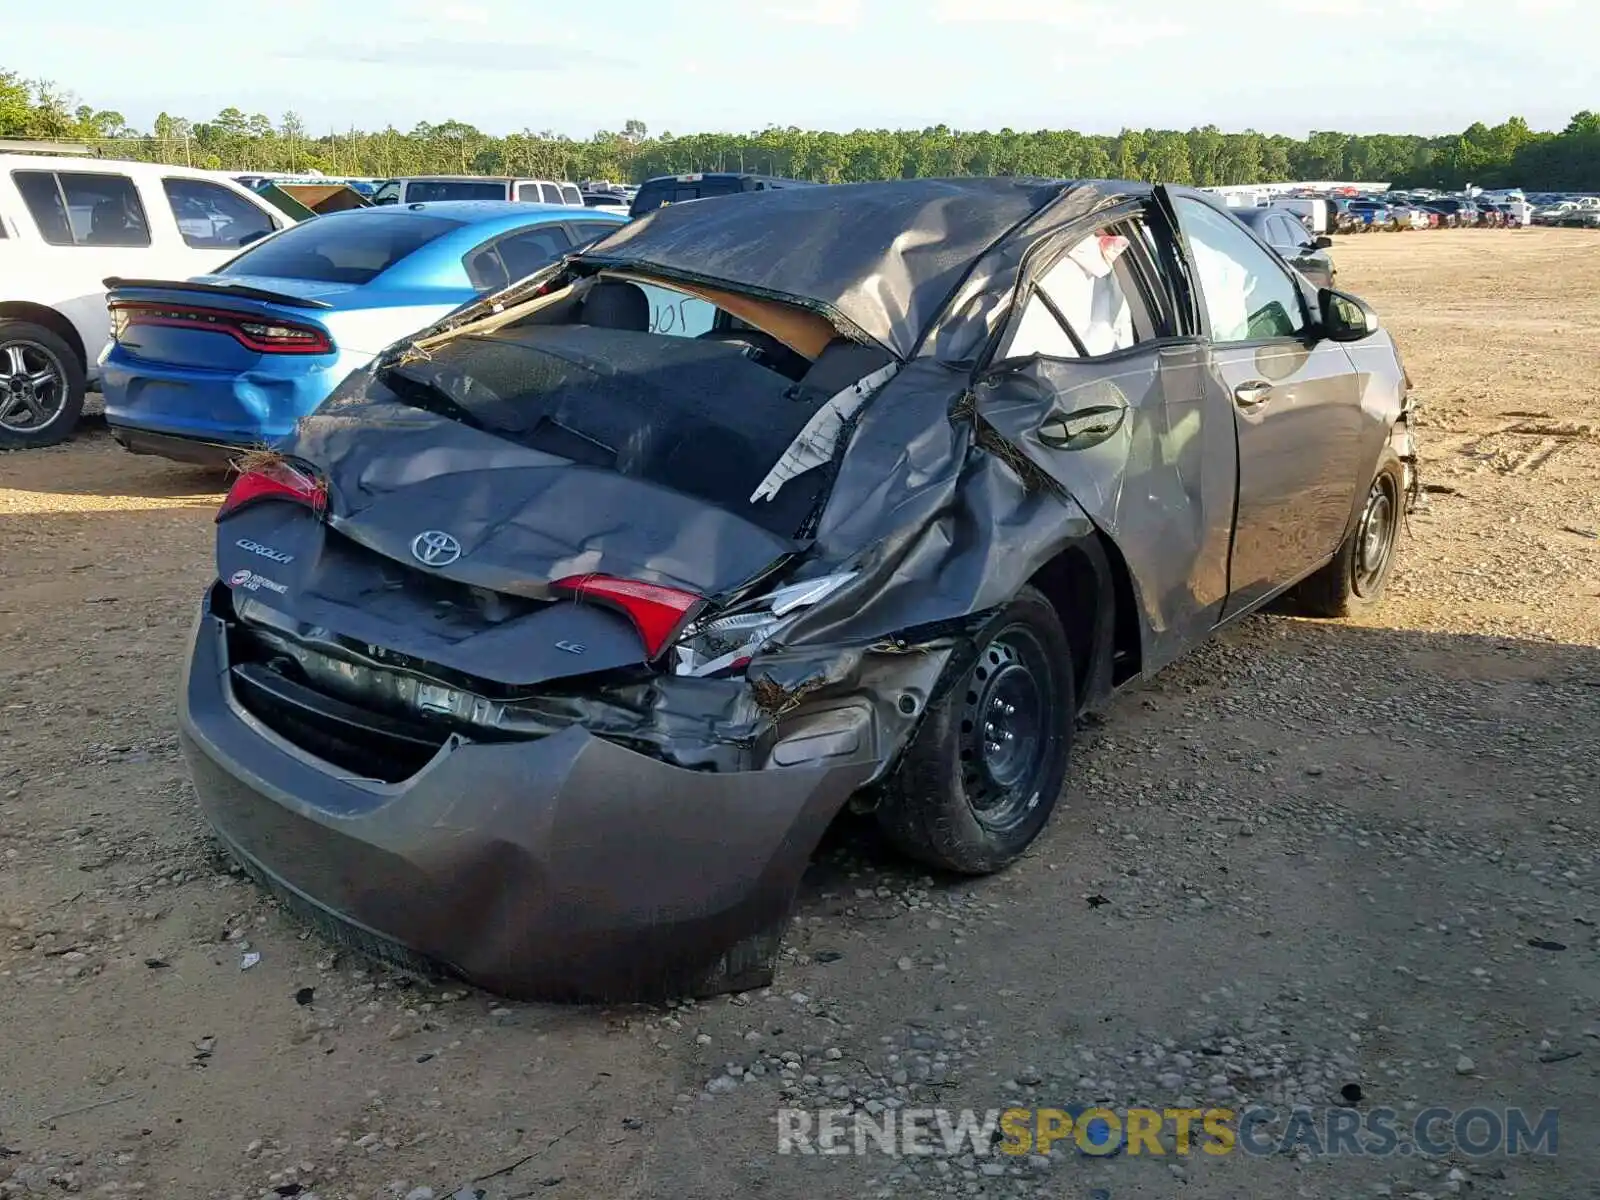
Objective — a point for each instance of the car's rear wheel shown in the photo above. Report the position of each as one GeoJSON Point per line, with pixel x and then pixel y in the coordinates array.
{"type": "Point", "coordinates": [986, 769]}
{"type": "Point", "coordinates": [41, 386]}
{"type": "Point", "coordinates": [1356, 578]}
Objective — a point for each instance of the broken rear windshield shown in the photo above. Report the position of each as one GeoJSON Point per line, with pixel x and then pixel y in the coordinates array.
{"type": "Point", "coordinates": [690, 414]}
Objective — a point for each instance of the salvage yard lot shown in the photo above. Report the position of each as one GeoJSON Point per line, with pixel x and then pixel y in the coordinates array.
{"type": "Point", "coordinates": [1318, 853]}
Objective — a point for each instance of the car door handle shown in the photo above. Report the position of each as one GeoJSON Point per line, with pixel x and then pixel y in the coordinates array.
{"type": "Point", "coordinates": [1252, 394]}
{"type": "Point", "coordinates": [1082, 429]}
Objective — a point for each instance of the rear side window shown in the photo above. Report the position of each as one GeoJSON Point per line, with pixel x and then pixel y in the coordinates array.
{"type": "Point", "coordinates": [593, 231]}
{"type": "Point", "coordinates": [671, 191]}
{"type": "Point", "coordinates": [678, 314]}
{"type": "Point", "coordinates": [501, 263]}
{"type": "Point", "coordinates": [571, 194]}
{"type": "Point", "coordinates": [528, 192]}
{"type": "Point", "coordinates": [211, 217]}
{"type": "Point", "coordinates": [422, 191]}
{"type": "Point", "coordinates": [712, 187]}
{"type": "Point", "coordinates": [550, 193]}
{"type": "Point", "coordinates": [1090, 302]}
{"type": "Point", "coordinates": [80, 208]}
{"type": "Point", "coordinates": [353, 248]}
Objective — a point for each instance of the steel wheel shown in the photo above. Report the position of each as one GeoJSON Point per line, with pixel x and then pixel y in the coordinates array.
{"type": "Point", "coordinates": [33, 386]}
{"type": "Point", "coordinates": [1375, 537]}
{"type": "Point", "coordinates": [1002, 730]}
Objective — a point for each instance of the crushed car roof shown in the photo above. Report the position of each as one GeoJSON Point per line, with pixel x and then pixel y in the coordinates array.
{"type": "Point", "coordinates": [880, 259]}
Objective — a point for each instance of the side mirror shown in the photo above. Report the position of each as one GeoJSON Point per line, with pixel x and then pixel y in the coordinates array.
{"type": "Point", "coordinates": [1344, 317]}
{"type": "Point", "coordinates": [1323, 242]}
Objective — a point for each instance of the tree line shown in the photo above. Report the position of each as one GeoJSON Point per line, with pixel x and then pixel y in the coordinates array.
{"type": "Point", "coordinates": [1508, 154]}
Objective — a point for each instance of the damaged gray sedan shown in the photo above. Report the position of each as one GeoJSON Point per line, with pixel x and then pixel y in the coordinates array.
{"type": "Point", "coordinates": [546, 650]}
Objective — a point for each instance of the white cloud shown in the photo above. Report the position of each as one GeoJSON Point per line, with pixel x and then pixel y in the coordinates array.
{"type": "Point", "coordinates": [1095, 25]}
{"type": "Point", "coordinates": [1024, 12]}
{"type": "Point", "coordinates": [822, 12]}
{"type": "Point", "coordinates": [458, 55]}
{"type": "Point", "coordinates": [463, 14]}
{"type": "Point", "coordinates": [1124, 33]}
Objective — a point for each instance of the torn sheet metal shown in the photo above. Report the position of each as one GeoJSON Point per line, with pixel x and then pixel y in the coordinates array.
{"type": "Point", "coordinates": [815, 444]}
{"type": "Point", "coordinates": [884, 260]}
{"type": "Point", "coordinates": [577, 865]}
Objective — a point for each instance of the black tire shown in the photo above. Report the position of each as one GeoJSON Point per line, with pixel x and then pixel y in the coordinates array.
{"type": "Point", "coordinates": [972, 803]}
{"type": "Point", "coordinates": [41, 386]}
{"type": "Point", "coordinates": [1355, 580]}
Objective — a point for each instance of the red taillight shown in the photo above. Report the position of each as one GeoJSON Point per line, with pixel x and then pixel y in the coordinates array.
{"type": "Point", "coordinates": [265, 336]}
{"type": "Point", "coordinates": [275, 481]}
{"type": "Point", "coordinates": [657, 612]}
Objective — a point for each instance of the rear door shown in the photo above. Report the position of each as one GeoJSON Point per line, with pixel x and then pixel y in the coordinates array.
{"type": "Point", "coordinates": [1102, 384]}
{"type": "Point", "coordinates": [1295, 406]}
{"type": "Point", "coordinates": [85, 226]}
{"type": "Point", "coordinates": [213, 222]}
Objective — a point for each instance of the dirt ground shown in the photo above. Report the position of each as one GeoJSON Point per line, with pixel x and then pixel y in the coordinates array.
{"type": "Point", "coordinates": [1315, 856]}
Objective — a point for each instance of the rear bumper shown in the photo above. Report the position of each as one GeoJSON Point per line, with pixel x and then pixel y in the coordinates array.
{"type": "Point", "coordinates": [240, 407]}
{"type": "Point", "coordinates": [179, 449]}
{"type": "Point", "coordinates": [565, 868]}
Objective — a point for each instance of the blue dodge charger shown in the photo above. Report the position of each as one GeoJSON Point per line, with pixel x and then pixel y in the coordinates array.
{"type": "Point", "coordinates": [198, 370]}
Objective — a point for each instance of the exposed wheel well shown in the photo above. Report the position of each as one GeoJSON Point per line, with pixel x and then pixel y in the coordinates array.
{"type": "Point", "coordinates": [41, 314]}
{"type": "Point", "coordinates": [1089, 586]}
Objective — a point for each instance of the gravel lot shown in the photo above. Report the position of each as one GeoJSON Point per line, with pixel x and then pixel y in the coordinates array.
{"type": "Point", "coordinates": [1314, 855]}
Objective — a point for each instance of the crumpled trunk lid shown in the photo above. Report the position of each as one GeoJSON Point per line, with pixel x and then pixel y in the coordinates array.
{"type": "Point", "coordinates": [522, 520]}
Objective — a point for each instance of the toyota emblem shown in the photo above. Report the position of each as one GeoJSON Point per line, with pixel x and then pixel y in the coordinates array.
{"type": "Point", "coordinates": [435, 548]}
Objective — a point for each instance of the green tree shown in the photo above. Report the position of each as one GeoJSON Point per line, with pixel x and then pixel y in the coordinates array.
{"type": "Point", "coordinates": [16, 104]}
{"type": "Point", "coordinates": [1507, 153]}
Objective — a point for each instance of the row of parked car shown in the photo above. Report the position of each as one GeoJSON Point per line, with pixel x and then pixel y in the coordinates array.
{"type": "Point", "coordinates": [214, 311]}
{"type": "Point", "coordinates": [1401, 211]}
{"type": "Point", "coordinates": [632, 199]}
{"type": "Point", "coordinates": [1572, 212]}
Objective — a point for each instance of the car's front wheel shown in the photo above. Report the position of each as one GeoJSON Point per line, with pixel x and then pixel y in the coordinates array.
{"type": "Point", "coordinates": [1359, 573]}
{"type": "Point", "coordinates": [986, 769]}
{"type": "Point", "coordinates": [41, 386]}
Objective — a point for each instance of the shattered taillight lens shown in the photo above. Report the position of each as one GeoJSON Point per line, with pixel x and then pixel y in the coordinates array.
{"type": "Point", "coordinates": [727, 643]}
{"type": "Point", "coordinates": [659, 613]}
{"type": "Point", "coordinates": [274, 481]}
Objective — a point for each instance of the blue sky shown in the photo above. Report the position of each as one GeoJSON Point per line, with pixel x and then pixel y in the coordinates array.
{"type": "Point", "coordinates": [686, 65]}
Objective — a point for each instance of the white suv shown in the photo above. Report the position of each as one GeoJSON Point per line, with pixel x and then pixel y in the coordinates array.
{"type": "Point", "coordinates": [418, 189]}
{"type": "Point", "coordinates": [68, 224]}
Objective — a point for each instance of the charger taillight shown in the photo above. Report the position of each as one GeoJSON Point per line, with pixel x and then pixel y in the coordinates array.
{"type": "Point", "coordinates": [281, 481]}
{"type": "Point", "coordinates": [659, 613]}
{"type": "Point", "coordinates": [265, 335]}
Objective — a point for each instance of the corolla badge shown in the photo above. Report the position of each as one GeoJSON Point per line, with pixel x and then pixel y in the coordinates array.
{"type": "Point", "coordinates": [435, 548]}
